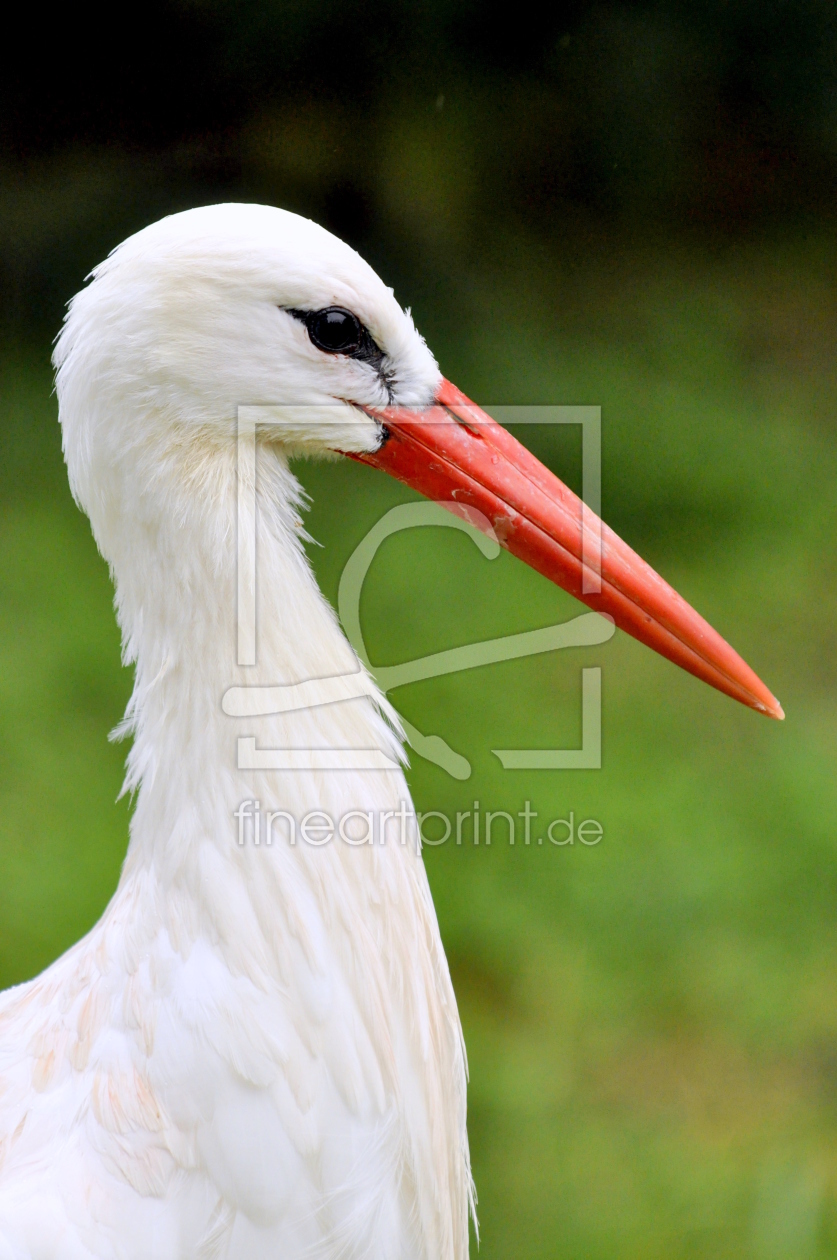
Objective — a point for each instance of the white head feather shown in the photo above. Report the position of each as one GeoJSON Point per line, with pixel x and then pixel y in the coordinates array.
{"type": "Point", "coordinates": [189, 319]}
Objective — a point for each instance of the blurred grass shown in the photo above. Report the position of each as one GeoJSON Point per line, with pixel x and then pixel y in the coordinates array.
{"type": "Point", "coordinates": [651, 1023]}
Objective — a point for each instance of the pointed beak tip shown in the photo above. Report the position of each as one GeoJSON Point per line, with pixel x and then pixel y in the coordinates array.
{"type": "Point", "coordinates": [771, 708]}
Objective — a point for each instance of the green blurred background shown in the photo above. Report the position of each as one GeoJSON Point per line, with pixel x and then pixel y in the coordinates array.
{"type": "Point", "coordinates": [629, 205]}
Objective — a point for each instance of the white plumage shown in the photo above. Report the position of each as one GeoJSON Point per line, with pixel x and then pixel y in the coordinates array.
{"type": "Point", "coordinates": [256, 1053]}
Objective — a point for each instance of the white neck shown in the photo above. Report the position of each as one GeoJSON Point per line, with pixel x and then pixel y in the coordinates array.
{"type": "Point", "coordinates": [288, 915]}
{"type": "Point", "coordinates": [175, 571]}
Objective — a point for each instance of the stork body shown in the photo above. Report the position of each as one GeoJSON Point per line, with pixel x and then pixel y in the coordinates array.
{"type": "Point", "coordinates": [256, 1053]}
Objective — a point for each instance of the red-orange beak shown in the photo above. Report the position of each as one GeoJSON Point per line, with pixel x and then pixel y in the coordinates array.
{"type": "Point", "coordinates": [457, 455]}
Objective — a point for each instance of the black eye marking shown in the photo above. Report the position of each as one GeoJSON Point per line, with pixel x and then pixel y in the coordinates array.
{"type": "Point", "coordinates": [334, 330]}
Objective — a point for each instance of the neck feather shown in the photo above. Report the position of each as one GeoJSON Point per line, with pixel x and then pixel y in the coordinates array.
{"type": "Point", "coordinates": [175, 564]}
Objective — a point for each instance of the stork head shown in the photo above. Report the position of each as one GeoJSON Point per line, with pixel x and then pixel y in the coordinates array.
{"type": "Point", "coordinates": [232, 305]}
{"type": "Point", "coordinates": [228, 305]}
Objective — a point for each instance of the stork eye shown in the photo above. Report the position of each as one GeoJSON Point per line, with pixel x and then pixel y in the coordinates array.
{"type": "Point", "coordinates": [335, 330]}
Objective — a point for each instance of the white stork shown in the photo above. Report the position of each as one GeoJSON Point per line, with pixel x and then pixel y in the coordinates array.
{"type": "Point", "coordinates": [256, 1053]}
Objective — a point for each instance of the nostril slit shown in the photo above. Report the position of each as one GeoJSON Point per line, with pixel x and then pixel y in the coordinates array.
{"type": "Point", "coordinates": [473, 429]}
